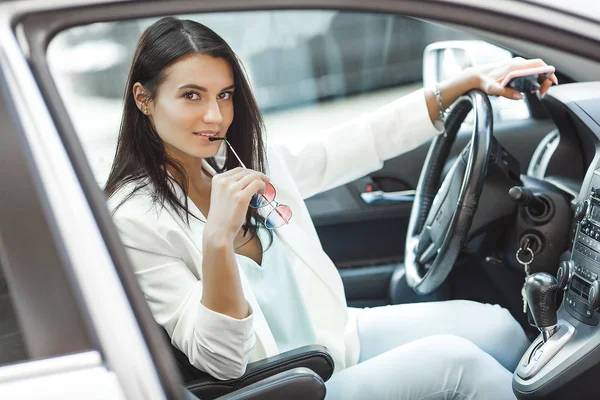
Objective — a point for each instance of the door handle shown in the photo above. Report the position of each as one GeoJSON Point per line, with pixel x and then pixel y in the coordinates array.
{"type": "Point", "coordinates": [381, 197]}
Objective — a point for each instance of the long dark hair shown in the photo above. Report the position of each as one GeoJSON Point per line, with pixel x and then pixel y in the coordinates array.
{"type": "Point", "coordinates": [141, 155]}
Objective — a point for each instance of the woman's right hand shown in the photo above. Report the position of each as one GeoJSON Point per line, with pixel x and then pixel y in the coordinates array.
{"type": "Point", "coordinates": [231, 193]}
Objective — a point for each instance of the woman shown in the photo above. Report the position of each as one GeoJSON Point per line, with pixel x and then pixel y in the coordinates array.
{"type": "Point", "coordinates": [229, 291]}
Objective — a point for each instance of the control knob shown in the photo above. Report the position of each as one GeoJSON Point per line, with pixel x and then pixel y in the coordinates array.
{"type": "Point", "coordinates": [535, 205]}
{"type": "Point", "coordinates": [581, 210]}
{"type": "Point", "coordinates": [593, 295]}
{"type": "Point", "coordinates": [565, 273]}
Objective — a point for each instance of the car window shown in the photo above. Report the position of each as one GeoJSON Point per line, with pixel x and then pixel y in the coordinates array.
{"type": "Point", "coordinates": [12, 346]}
{"type": "Point", "coordinates": [308, 69]}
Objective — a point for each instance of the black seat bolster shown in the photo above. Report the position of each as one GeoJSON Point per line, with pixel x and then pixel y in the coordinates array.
{"type": "Point", "coordinates": [294, 384]}
{"type": "Point", "coordinates": [314, 357]}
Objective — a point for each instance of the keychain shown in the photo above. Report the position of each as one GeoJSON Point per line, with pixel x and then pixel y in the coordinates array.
{"type": "Point", "coordinates": [525, 265]}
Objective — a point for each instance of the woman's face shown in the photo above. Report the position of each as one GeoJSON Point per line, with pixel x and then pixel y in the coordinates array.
{"type": "Point", "coordinates": [193, 103]}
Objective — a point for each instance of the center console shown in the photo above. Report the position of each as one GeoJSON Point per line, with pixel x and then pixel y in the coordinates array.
{"type": "Point", "coordinates": [584, 268]}
{"type": "Point", "coordinates": [561, 364]}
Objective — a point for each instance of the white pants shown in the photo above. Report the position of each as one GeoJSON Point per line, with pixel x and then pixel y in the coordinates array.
{"type": "Point", "coordinates": [442, 350]}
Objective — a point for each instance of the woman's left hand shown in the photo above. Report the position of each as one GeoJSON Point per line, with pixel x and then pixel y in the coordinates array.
{"type": "Point", "coordinates": [488, 77]}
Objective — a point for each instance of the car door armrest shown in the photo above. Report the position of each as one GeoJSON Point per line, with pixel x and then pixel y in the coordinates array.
{"type": "Point", "coordinates": [315, 358]}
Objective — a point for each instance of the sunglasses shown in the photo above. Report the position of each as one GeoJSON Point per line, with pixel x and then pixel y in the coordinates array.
{"type": "Point", "coordinates": [280, 214]}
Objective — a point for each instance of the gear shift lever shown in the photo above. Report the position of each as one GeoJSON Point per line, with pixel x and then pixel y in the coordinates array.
{"type": "Point", "coordinates": [540, 290]}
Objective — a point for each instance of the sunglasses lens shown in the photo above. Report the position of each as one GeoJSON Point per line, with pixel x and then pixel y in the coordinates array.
{"type": "Point", "coordinates": [261, 200]}
{"type": "Point", "coordinates": [278, 217]}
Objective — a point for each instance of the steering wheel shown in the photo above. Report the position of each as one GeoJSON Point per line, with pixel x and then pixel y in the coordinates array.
{"type": "Point", "coordinates": [442, 215]}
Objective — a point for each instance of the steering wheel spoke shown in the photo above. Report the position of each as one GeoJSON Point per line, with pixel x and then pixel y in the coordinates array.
{"type": "Point", "coordinates": [429, 253]}
{"type": "Point", "coordinates": [424, 242]}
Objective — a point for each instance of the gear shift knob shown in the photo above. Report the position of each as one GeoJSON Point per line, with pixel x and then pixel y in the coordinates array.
{"type": "Point", "coordinates": [540, 290]}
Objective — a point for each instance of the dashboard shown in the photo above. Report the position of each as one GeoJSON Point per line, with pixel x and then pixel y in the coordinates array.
{"type": "Point", "coordinates": [568, 364]}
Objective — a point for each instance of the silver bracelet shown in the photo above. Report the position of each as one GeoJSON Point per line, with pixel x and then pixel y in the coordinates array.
{"type": "Point", "coordinates": [438, 97]}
